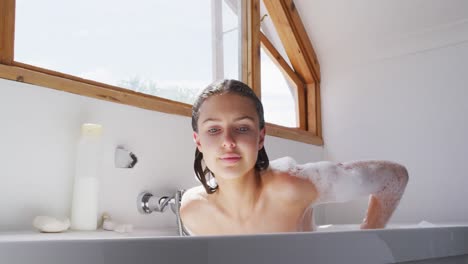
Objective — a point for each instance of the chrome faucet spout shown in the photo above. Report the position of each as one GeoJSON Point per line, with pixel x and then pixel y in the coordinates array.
{"type": "Point", "coordinates": [148, 203]}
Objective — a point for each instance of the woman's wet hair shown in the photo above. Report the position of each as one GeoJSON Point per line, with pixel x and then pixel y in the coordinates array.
{"type": "Point", "coordinates": [202, 172]}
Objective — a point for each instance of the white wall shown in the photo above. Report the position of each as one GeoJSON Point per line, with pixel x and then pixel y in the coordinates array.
{"type": "Point", "coordinates": [412, 110]}
{"type": "Point", "coordinates": [394, 86]}
{"type": "Point", "coordinates": [39, 131]}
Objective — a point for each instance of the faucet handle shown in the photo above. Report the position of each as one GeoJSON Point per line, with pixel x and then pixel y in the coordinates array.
{"type": "Point", "coordinates": [148, 203]}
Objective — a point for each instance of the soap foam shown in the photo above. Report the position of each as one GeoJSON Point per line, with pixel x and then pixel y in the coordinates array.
{"type": "Point", "coordinates": [334, 182]}
{"type": "Point", "coordinates": [341, 182]}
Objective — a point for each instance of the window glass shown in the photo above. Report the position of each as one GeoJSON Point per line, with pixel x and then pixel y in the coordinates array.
{"type": "Point", "coordinates": [157, 47]}
{"type": "Point", "coordinates": [277, 98]}
{"type": "Point", "coordinates": [231, 38]}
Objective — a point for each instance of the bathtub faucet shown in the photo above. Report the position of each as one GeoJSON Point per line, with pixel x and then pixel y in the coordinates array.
{"type": "Point", "coordinates": [148, 203]}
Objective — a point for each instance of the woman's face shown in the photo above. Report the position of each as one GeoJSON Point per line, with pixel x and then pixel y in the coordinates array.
{"type": "Point", "coordinates": [228, 135]}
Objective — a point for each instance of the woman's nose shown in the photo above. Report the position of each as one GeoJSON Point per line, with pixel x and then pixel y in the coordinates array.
{"type": "Point", "coordinates": [228, 140]}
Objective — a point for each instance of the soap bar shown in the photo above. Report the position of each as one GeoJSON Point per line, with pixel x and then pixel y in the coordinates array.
{"type": "Point", "coordinates": [49, 224]}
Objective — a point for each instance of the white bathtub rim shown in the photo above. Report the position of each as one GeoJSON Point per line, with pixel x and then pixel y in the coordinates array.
{"type": "Point", "coordinates": [34, 235]}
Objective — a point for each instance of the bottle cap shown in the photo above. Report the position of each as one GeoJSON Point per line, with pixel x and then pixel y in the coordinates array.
{"type": "Point", "coordinates": [89, 129]}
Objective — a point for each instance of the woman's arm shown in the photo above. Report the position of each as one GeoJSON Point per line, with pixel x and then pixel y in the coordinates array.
{"type": "Point", "coordinates": [388, 182]}
{"type": "Point", "coordinates": [385, 181]}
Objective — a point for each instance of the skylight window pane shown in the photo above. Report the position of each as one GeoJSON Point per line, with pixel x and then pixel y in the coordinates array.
{"type": "Point", "coordinates": [278, 101]}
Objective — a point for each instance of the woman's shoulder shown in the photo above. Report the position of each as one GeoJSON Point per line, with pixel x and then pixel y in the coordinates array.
{"type": "Point", "coordinates": [192, 198]}
{"type": "Point", "coordinates": [282, 172]}
{"type": "Point", "coordinates": [194, 207]}
{"type": "Point", "coordinates": [195, 192]}
{"type": "Point", "coordinates": [282, 179]}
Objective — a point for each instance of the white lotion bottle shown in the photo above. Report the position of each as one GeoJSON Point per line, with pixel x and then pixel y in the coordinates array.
{"type": "Point", "coordinates": [84, 211]}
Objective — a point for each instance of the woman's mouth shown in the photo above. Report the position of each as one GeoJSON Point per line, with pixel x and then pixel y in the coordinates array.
{"type": "Point", "coordinates": [231, 158]}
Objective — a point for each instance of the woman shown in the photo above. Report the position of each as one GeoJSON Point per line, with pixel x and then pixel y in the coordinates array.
{"type": "Point", "coordinates": [242, 193]}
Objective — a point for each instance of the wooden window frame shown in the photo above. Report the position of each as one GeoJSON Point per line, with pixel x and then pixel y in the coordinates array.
{"type": "Point", "coordinates": [304, 75]}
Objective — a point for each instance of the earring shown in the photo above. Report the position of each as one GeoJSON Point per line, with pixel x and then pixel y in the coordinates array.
{"type": "Point", "coordinates": [211, 180]}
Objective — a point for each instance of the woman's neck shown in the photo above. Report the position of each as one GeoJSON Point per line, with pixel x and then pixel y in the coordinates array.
{"type": "Point", "coordinates": [238, 198]}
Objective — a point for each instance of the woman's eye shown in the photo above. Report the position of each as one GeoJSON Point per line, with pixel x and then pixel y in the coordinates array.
{"type": "Point", "coordinates": [213, 130]}
{"type": "Point", "coordinates": [243, 129]}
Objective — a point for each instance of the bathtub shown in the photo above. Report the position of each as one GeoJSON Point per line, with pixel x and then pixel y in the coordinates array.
{"type": "Point", "coordinates": [421, 243]}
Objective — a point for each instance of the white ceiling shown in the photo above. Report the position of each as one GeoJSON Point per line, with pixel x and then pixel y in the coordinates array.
{"type": "Point", "coordinates": [345, 32]}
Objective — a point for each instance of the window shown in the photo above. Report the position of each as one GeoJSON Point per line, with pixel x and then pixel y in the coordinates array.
{"type": "Point", "coordinates": [156, 47]}
{"type": "Point", "coordinates": [157, 54]}
{"type": "Point", "coordinates": [277, 97]}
